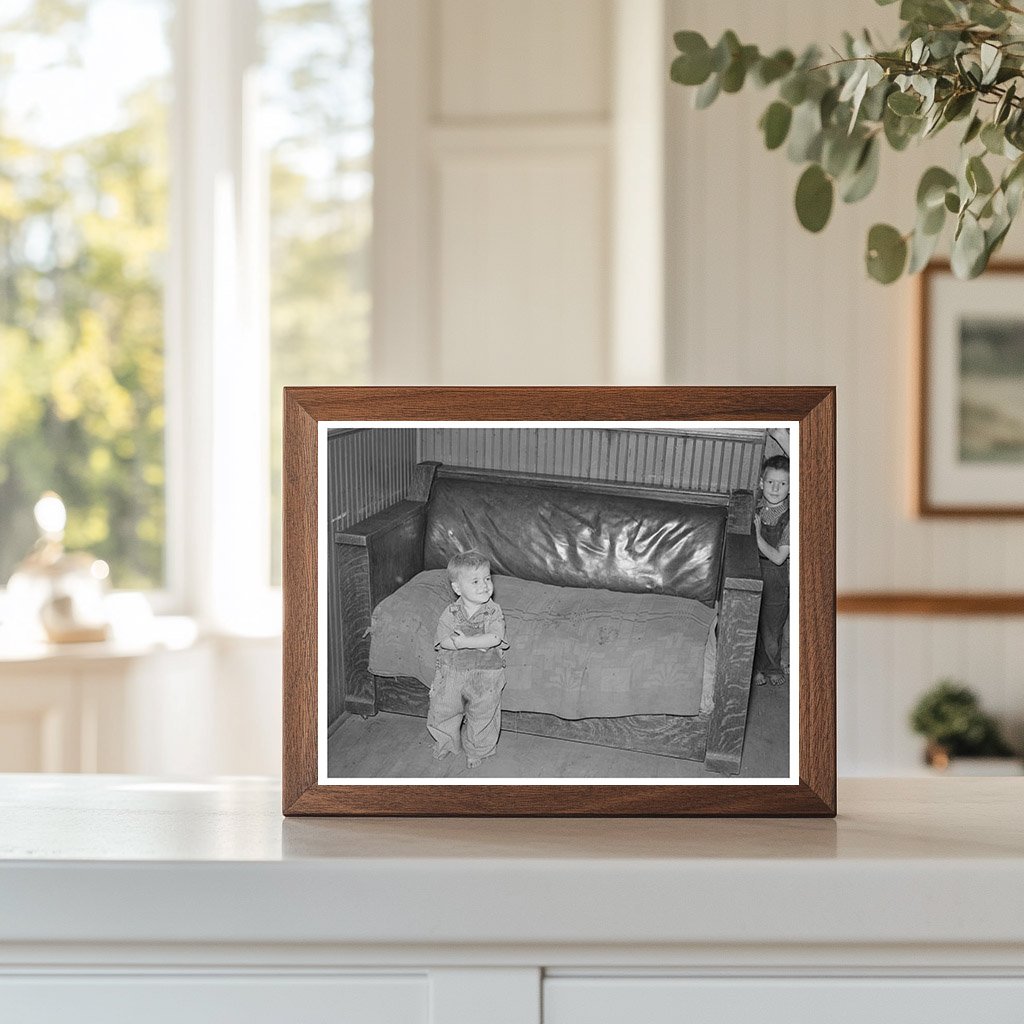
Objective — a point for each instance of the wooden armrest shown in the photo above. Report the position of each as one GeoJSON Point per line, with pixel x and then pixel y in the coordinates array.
{"type": "Point", "coordinates": [742, 562]}
{"type": "Point", "coordinates": [363, 533]}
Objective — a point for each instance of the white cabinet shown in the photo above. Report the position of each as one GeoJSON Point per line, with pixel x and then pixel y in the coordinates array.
{"type": "Point", "coordinates": [97, 707]}
{"type": "Point", "coordinates": [824, 1000]}
{"type": "Point", "coordinates": [128, 898]}
{"type": "Point", "coordinates": [241, 999]}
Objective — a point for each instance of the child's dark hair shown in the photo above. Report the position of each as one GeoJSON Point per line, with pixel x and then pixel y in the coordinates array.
{"type": "Point", "coordinates": [775, 462]}
{"type": "Point", "coordinates": [466, 560]}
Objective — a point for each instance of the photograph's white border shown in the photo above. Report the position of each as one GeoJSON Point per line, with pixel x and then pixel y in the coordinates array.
{"type": "Point", "coordinates": [952, 482]}
{"type": "Point", "coordinates": [793, 426]}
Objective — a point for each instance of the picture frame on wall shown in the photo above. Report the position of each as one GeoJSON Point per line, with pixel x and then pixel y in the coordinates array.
{"type": "Point", "coordinates": [559, 601]}
{"type": "Point", "coordinates": [970, 444]}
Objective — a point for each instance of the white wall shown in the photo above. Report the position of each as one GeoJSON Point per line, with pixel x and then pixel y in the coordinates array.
{"type": "Point", "coordinates": [753, 298]}
{"type": "Point", "coordinates": [503, 158]}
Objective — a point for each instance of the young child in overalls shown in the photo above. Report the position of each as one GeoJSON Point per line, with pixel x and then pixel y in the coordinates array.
{"type": "Point", "coordinates": [771, 523]}
{"type": "Point", "coordinates": [465, 698]}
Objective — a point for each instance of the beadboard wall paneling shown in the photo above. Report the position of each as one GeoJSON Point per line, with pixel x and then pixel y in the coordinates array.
{"type": "Point", "coordinates": [693, 462]}
{"type": "Point", "coordinates": [752, 297]}
{"type": "Point", "coordinates": [367, 471]}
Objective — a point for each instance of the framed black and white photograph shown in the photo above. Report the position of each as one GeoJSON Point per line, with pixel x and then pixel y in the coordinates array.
{"type": "Point", "coordinates": [970, 453]}
{"type": "Point", "coordinates": [559, 601]}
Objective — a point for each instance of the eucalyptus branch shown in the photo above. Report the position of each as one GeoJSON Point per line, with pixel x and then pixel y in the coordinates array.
{"type": "Point", "coordinates": [834, 116]}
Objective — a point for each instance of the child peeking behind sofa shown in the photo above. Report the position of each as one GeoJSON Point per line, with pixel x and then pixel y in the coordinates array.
{"type": "Point", "coordinates": [465, 698]}
{"type": "Point", "coordinates": [771, 523]}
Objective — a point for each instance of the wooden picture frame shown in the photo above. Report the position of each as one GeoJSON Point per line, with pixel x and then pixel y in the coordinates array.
{"type": "Point", "coordinates": [369, 563]}
{"type": "Point", "coordinates": [970, 419]}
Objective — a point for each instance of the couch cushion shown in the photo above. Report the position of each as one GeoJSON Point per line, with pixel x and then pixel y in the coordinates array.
{"type": "Point", "coordinates": [575, 653]}
{"type": "Point", "coordinates": [577, 538]}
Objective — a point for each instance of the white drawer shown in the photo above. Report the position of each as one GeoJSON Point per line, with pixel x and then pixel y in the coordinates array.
{"type": "Point", "coordinates": [202, 999]}
{"type": "Point", "coordinates": [655, 1000]}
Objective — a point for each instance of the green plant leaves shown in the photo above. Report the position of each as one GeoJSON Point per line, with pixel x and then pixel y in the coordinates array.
{"type": "Point", "coordinates": [931, 191]}
{"type": "Point", "coordinates": [771, 69]}
{"type": "Point", "coordinates": [775, 122]}
{"type": "Point", "coordinates": [904, 103]}
{"type": "Point", "coordinates": [887, 253]}
{"type": "Point", "coordinates": [865, 173]}
{"type": "Point", "coordinates": [693, 65]}
{"type": "Point", "coordinates": [956, 60]}
{"type": "Point", "coordinates": [814, 195]}
{"type": "Point", "coordinates": [969, 254]}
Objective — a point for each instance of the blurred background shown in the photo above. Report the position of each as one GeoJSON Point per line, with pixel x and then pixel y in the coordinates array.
{"type": "Point", "coordinates": [202, 201]}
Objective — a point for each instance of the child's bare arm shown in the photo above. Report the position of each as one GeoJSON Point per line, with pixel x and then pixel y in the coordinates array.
{"type": "Point", "coordinates": [777, 555]}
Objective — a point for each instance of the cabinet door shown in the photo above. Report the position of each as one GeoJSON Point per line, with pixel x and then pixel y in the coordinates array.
{"type": "Point", "coordinates": [205, 999]}
{"type": "Point", "coordinates": [783, 1000]}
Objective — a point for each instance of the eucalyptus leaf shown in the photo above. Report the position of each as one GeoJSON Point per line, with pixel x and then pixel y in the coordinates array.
{"type": "Point", "coordinates": [725, 50]}
{"type": "Point", "coordinates": [968, 247]}
{"type": "Point", "coordinates": [805, 133]}
{"type": "Point", "coordinates": [922, 248]}
{"type": "Point", "coordinates": [991, 60]}
{"type": "Point", "coordinates": [932, 221]}
{"type": "Point", "coordinates": [775, 122]}
{"type": "Point", "coordinates": [840, 152]}
{"type": "Point", "coordinates": [958, 105]}
{"type": "Point", "coordinates": [814, 195]}
{"type": "Point", "coordinates": [873, 106]}
{"type": "Point", "coordinates": [771, 69]}
{"type": "Point", "coordinates": [931, 190]}
{"type": "Point", "coordinates": [794, 88]}
{"type": "Point", "coordinates": [987, 15]}
{"type": "Point", "coordinates": [952, 202]}
{"type": "Point", "coordinates": [707, 93]}
{"type": "Point", "coordinates": [978, 176]}
{"type": "Point", "coordinates": [993, 138]}
{"type": "Point", "coordinates": [973, 129]}
{"type": "Point", "coordinates": [903, 103]}
{"type": "Point", "coordinates": [886, 253]}
{"type": "Point", "coordinates": [735, 74]}
{"type": "Point", "coordinates": [900, 130]}
{"type": "Point", "coordinates": [1005, 104]}
{"type": "Point", "coordinates": [865, 173]}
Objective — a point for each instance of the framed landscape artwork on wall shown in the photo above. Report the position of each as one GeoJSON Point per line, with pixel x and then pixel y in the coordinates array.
{"type": "Point", "coordinates": [559, 601]}
{"type": "Point", "coordinates": [970, 451]}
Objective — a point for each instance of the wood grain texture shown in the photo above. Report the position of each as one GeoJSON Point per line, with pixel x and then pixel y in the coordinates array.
{"type": "Point", "coordinates": [737, 633]}
{"type": "Point", "coordinates": [353, 565]}
{"type": "Point", "coordinates": [299, 591]}
{"type": "Point", "coordinates": [817, 632]}
{"type": "Point", "coordinates": [367, 471]}
{"type": "Point", "coordinates": [374, 558]}
{"type": "Point", "coordinates": [925, 603]}
{"type": "Point", "coordinates": [812, 407]}
{"type": "Point", "coordinates": [679, 736]}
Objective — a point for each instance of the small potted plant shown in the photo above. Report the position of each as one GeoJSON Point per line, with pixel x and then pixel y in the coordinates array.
{"type": "Point", "coordinates": [950, 717]}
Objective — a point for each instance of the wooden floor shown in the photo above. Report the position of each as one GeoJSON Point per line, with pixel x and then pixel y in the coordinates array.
{"type": "Point", "coordinates": [398, 746]}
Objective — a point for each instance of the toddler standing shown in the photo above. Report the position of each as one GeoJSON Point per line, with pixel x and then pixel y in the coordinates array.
{"type": "Point", "coordinates": [465, 698]}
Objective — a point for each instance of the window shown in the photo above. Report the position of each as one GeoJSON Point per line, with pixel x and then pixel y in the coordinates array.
{"type": "Point", "coordinates": [317, 126]}
{"type": "Point", "coordinates": [83, 236]}
{"type": "Point", "coordinates": [185, 221]}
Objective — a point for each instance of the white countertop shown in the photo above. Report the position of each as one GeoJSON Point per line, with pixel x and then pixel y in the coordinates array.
{"type": "Point", "coordinates": [123, 859]}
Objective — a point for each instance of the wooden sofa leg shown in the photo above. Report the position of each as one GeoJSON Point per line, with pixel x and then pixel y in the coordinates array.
{"type": "Point", "coordinates": [737, 634]}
